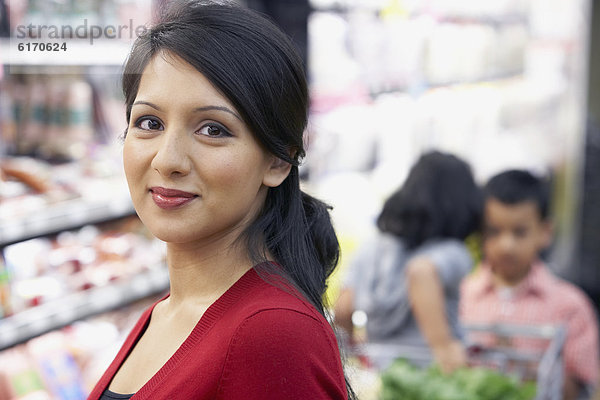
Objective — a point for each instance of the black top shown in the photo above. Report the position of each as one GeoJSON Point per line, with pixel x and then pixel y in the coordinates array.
{"type": "Point", "coordinates": [108, 395]}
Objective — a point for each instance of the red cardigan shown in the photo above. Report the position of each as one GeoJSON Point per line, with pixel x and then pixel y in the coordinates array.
{"type": "Point", "coordinates": [257, 341]}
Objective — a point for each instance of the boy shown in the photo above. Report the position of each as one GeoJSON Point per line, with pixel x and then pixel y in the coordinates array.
{"type": "Point", "coordinates": [514, 286]}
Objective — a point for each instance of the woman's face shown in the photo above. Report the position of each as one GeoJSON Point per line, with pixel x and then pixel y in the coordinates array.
{"type": "Point", "coordinates": [194, 169]}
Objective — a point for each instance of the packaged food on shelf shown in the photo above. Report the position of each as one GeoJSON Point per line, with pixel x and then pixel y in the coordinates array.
{"type": "Point", "coordinates": [66, 363]}
{"type": "Point", "coordinates": [474, 52]}
{"type": "Point", "coordinates": [94, 342]}
{"type": "Point", "coordinates": [44, 269]}
{"type": "Point", "coordinates": [40, 198]}
{"type": "Point", "coordinates": [20, 379]}
{"type": "Point", "coordinates": [5, 308]}
{"type": "Point", "coordinates": [25, 176]}
{"type": "Point", "coordinates": [487, 10]}
{"type": "Point", "coordinates": [53, 116]}
{"type": "Point", "coordinates": [59, 371]}
{"type": "Point", "coordinates": [8, 126]}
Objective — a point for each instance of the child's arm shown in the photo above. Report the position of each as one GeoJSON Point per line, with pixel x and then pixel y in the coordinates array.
{"type": "Point", "coordinates": [343, 309]}
{"type": "Point", "coordinates": [426, 295]}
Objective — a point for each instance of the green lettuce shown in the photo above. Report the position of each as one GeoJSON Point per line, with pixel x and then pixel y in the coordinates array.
{"type": "Point", "coordinates": [403, 381]}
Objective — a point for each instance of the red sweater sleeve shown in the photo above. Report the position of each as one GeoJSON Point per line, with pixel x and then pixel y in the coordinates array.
{"type": "Point", "coordinates": [283, 354]}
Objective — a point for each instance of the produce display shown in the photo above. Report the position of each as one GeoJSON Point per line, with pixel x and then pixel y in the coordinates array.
{"type": "Point", "coordinates": [404, 381]}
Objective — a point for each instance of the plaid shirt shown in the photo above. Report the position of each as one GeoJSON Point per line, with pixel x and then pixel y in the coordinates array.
{"type": "Point", "coordinates": [541, 298]}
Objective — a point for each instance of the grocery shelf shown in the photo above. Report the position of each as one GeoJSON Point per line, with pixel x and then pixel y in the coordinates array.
{"type": "Point", "coordinates": [423, 86]}
{"type": "Point", "coordinates": [58, 313]}
{"type": "Point", "coordinates": [345, 5]}
{"type": "Point", "coordinates": [63, 216]}
{"type": "Point", "coordinates": [497, 17]}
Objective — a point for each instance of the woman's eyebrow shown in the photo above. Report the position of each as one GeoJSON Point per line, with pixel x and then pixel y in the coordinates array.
{"type": "Point", "coordinates": [218, 108]}
{"type": "Point", "coordinates": [206, 108]}
{"type": "Point", "coordinates": [148, 104]}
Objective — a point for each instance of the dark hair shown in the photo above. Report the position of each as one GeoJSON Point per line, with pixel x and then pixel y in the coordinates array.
{"type": "Point", "coordinates": [438, 200]}
{"type": "Point", "coordinates": [518, 186]}
{"type": "Point", "coordinates": [255, 65]}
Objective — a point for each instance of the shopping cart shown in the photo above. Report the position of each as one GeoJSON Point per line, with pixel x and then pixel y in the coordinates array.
{"type": "Point", "coordinates": [544, 367]}
{"type": "Point", "coordinates": [547, 365]}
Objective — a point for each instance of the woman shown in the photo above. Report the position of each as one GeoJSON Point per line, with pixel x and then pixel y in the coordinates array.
{"type": "Point", "coordinates": [407, 278]}
{"type": "Point", "coordinates": [216, 108]}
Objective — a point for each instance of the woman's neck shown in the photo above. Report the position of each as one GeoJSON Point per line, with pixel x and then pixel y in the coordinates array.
{"type": "Point", "coordinates": [200, 274]}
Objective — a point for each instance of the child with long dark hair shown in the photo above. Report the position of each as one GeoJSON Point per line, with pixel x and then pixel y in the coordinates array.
{"type": "Point", "coordinates": [216, 107]}
{"type": "Point", "coordinates": [406, 279]}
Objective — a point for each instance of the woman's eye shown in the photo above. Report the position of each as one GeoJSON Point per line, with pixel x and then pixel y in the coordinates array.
{"type": "Point", "coordinates": [149, 124]}
{"type": "Point", "coordinates": [213, 130]}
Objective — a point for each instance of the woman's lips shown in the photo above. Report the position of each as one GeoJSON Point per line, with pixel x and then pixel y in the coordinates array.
{"type": "Point", "coordinates": [170, 198]}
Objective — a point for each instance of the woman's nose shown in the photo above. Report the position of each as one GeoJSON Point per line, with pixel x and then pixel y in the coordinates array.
{"type": "Point", "coordinates": [172, 156]}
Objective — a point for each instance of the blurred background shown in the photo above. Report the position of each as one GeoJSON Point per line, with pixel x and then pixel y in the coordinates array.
{"type": "Point", "coordinates": [500, 83]}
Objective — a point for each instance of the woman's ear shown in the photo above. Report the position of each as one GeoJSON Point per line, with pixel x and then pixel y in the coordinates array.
{"type": "Point", "coordinates": [277, 171]}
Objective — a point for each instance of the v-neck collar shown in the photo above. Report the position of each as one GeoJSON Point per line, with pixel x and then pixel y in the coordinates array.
{"type": "Point", "coordinates": [212, 314]}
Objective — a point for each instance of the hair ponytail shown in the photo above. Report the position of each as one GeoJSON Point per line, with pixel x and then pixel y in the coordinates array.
{"type": "Point", "coordinates": [296, 229]}
{"type": "Point", "coordinates": [322, 234]}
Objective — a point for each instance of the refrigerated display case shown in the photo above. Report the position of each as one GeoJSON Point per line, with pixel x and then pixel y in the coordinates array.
{"type": "Point", "coordinates": [73, 253]}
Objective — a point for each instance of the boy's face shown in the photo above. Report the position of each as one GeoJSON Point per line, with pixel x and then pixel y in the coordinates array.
{"type": "Point", "coordinates": [514, 234]}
